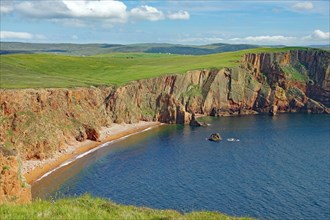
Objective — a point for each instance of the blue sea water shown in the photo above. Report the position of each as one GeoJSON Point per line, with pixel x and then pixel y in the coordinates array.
{"type": "Point", "coordinates": [279, 168]}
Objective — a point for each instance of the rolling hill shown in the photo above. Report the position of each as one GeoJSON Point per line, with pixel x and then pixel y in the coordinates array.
{"type": "Point", "coordinates": [93, 49]}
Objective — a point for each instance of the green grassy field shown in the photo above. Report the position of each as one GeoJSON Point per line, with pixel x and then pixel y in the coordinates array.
{"type": "Point", "coordinates": [86, 207]}
{"type": "Point", "coordinates": [58, 71]}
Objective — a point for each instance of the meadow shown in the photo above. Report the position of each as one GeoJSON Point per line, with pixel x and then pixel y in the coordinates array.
{"type": "Point", "coordinates": [49, 70]}
{"type": "Point", "coordinates": [87, 207]}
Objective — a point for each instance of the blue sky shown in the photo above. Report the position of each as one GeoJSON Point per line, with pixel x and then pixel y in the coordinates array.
{"type": "Point", "coordinates": [181, 22]}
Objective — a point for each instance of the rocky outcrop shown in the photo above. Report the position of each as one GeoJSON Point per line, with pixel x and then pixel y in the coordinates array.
{"type": "Point", "coordinates": [194, 123]}
{"type": "Point", "coordinates": [38, 122]}
{"type": "Point", "coordinates": [307, 70]}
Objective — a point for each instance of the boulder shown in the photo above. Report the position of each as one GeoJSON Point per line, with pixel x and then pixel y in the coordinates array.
{"type": "Point", "coordinates": [215, 137]}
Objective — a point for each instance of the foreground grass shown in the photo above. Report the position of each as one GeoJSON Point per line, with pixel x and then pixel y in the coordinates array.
{"type": "Point", "coordinates": [86, 207]}
{"type": "Point", "coordinates": [54, 71]}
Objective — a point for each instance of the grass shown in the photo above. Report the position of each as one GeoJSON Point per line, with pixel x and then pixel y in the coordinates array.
{"type": "Point", "coordinates": [86, 207]}
{"type": "Point", "coordinates": [60, 71]}
{"type": "Point", "coordinates": [294, 74]}
{"type": "Point", "coordinates": [5, 167]}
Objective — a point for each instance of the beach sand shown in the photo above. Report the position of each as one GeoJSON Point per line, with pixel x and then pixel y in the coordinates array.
{"type": "Point", "coordinates": [34, 169]}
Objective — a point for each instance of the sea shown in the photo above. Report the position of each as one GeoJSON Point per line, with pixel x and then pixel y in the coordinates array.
{"type": "Point", "coordinates": [264, 167]}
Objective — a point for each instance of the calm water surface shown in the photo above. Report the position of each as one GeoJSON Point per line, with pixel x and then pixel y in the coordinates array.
{"type": "Point", "coordinates": [278, 169]}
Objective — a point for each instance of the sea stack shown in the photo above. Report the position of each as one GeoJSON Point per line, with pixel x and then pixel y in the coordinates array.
{"type": "Point", "coordinates": [194, 123]}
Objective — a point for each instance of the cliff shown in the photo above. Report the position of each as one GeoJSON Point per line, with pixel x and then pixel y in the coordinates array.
{"type": "Point", "coordinates": [39, 122]}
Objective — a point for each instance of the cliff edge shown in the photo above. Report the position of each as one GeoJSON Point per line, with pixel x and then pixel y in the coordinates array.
{"type": "Point", "coordinates": [39, 122]}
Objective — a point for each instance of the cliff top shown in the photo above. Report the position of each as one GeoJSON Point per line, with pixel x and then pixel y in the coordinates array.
{"type": "Point", "coordinates": [59, 71]}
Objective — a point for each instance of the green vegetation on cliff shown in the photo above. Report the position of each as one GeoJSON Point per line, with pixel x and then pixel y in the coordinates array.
{"type": "Point", "coordinates": [58, 71]}
{"type": "Point", "coordinates": [86, 207]}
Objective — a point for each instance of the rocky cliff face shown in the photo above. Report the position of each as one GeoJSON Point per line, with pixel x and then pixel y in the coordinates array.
{"type": "Point", "coordinates": [13, 188]}
{"type": "Point", "coordinates": [38, 122]}
{"type": "Point", "coordinates": [307, 70]}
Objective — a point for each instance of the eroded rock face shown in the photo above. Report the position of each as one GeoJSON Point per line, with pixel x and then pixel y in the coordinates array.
{"type": "Point", "coordinates": [13, 188]}
{"type": "Point", "coordinates": [92, 134]}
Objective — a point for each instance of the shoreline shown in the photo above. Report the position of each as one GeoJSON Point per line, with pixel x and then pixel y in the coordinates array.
{"type": "Point", "coordinates": [35, 170]}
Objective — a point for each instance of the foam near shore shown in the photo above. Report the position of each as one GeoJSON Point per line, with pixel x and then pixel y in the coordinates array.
{"type": "Point", "coordinates": [34, 170]}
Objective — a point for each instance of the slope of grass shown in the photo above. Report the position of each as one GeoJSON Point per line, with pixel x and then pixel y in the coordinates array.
{"type": "Point", "coordinates": [49, 70]}
{"type": "Point", "coordinates": [86, 207]}
{"type": "Point", "coordinates": [294, 74]}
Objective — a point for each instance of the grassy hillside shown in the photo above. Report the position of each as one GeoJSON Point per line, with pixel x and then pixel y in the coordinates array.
{"type": "Point", "coordinates": [50, 70]}
{"type": "Point", "coordinates": [93, 49]}
{"type": "Point", "coordinates": [86, 207]}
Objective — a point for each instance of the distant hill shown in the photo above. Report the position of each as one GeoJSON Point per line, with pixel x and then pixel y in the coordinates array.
{"type": "Point", "coordinates": [93, 49]}
{"type": "Point", "coordinates": [324, 47]}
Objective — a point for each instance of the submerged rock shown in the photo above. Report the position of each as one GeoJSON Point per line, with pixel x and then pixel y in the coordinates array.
{"type": "Point", "coordinates": [215, 137]}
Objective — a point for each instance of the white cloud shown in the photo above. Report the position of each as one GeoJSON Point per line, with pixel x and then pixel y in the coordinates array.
{"type": "Point", "coordinates": [303, 6]}
{"type": "Point", "coordinates": [73, 9]}
{"type": "Point", "coordinates": [147, 13]}
{"type": "Point", "coordinates": [264, 39]}
{"type": "Point", "coordinates": [96, 9]}
{"type": "Point", "coordinates": [277, 38]}
{"type": "Point", "coordinates": [15, 35]}
{"type": "Point", "coordinates": [5, 9]}
{"type": "Point", "coordinates": [21, 35]}
{"type": "Point", "coordinates": [42, 9]}
{"type": "Point", "coordinates": [74, 37]}
{"type": "Point", "coordinates": [40, 36]}
{"type": "Point", "coordinates": [180, 15]}
{"type": "Point", "coordinates": [200, 40]}
{"type": "Point", "coordinates": [82, 13]}
{"type": "Point", "coordinates": [318, 35]}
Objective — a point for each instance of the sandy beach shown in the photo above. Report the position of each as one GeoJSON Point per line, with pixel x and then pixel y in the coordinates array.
{"type": "Point", "coordinates": [34, 169]}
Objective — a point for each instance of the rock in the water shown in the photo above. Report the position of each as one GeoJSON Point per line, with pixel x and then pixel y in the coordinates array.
{"type": "Point", "coordinates": [194, 123]}
{"type": "Point", "coordinates": [273, 110]}
{"type": "Point", "coordinates": [215, 137]}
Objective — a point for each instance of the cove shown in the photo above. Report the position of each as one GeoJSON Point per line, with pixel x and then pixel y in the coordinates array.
{"type": "Point", "coordinates": [279, 169]}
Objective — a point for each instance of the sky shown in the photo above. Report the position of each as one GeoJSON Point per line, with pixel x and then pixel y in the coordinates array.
{"type": "Point", "coordinates": [268, 22]}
